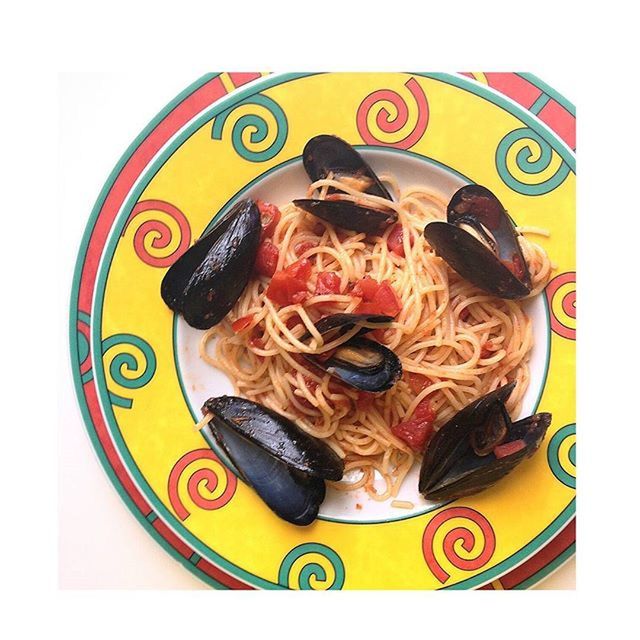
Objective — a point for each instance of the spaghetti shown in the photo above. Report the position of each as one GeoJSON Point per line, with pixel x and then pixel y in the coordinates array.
{"type": "Point", "coordinates": [454, 341]}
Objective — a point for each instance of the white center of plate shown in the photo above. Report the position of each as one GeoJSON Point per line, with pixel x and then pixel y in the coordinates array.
{"type": "Point", "coordinates": [200, 381]}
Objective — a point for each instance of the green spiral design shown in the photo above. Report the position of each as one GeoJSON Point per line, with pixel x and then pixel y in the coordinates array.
{"type": "Point", "coordinates": [528, 163]}
{"type": "Point", "coordinates": [259, 126]}
{"type": "Point", "coordinates": [553, 455]}
{"type": "Point", "coordinates": [312, 569]}
{"type": "Point", "coordinates": [128, 361]}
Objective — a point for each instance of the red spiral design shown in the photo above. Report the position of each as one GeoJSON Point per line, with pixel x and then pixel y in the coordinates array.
{"type": "Point", "coordinates": [460, 533]}
{"type": "Point", "coordinates": [201, 478]}
{"type": "Point", "coordinates": [568, 304]}
{"type": "Point", "coordinates": [390, 124]}
{"type": "Point", "coordinates": [162, 232]}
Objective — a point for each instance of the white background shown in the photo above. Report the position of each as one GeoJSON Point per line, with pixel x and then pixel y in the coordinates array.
{"type": "Point", "coordinates": [587, 51]}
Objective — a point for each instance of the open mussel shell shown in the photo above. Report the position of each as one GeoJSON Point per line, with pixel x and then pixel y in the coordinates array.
{"type": "Point", "coordinates": [364, 364]}
{"type": "Point", "coordinates": [360, 363]}
{"type": "Point", "coordinates": [349, 215]}
{"type": "Point", "coordinates": [460, 461]}
{"type": "Point", "coordinates": [325, 154]}
{"type": "Point", "coordinates": [207, 280]}
{"type": "Point", "coordinates": [284, 465]}
{"type": "Point", "coordinates": [492, 260]}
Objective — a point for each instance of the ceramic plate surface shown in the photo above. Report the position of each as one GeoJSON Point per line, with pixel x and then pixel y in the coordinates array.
{"type": "Point", "coordinates": [140, 381]}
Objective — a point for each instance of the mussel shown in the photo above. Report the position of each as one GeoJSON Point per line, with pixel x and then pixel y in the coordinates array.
{"type": "Point", "coordinates": [284, 465]}
{"type": "Point", "coordinates": [207, 280]}
{"type": "Point", "coordinates": [478, 446]}
{"type": "Point", "coordinates": [326, 155]}
{"type": "Point", "coordinates": [480, 242]}
{"type": "Point", "coordinates": [363, 364]}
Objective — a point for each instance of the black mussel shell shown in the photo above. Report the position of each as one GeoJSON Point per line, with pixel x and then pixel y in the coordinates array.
{"type": "Point", "coordinates": [207, 280]}
{"type": "Point", "coordinates": [363, 364]}
{"type": "Point", "coordinates": [457, 461]}
{"type": "Point", "coordinates": [276, 435]}
{"type": "Point", "coordinates": [326, 154]}
{"type": "Point", "coordinates": [349, 215]}
{"type": "Point", "coordinates": [293, 496]}
{"type": "Point", "coordinates": [496, 264]}
{"type": "Point", "coordinates": [447, 445]}
{"type": "Point", "coordinates": [341, 323]}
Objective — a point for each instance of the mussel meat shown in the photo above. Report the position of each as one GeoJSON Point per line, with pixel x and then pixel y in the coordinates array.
{"type": "Point", "coordinates": [479, 446]}
{"type": "Point", "coordinates": [480, 242]}
{"type": "Point", "coordinates": [363, 364]}
{"type": "Point", "coordinates": [326, 155]}
{"type": "Point", "coordinates": [207, 280]}
{"type": "Point", "coordinates": [284, 465]}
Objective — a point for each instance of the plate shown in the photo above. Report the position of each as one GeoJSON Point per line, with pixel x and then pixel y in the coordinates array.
{"type": "Point", "coordinates": [140, 382]}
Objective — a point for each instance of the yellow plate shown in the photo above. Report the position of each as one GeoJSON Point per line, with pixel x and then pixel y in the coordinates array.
{"type": "Point", "coordinates": [135, 364]}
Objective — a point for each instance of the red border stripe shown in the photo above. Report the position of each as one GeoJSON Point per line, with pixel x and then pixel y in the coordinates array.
{"type": "Point", "coordinates": [110, 451]}
{"type": "Point", "coordinates": [514, 86]}
{"type": "Point", "coordinates": [217, 574]}
{"type": "Point", "coordinates": [549, 553]}
{"type": "Point", "coordinates": [560, 120]}
{"type": "Point", "coordinates": [179, 545]}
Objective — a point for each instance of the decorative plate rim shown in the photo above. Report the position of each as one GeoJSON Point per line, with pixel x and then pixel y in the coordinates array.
{"type": "Point", "coordinates": [196, 120]}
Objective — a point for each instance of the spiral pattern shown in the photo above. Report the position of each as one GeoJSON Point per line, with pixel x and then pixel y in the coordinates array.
{"type": "Point", "coordinates": [209, 488]}
{"type": "Point", "coordinates": [435, 544]}
{"type": "Point", "coordinates": [159, 241]}
{"type": "Point", "coordinates": [390, 112]}
{"type": "Point", "coordinates": [128, 361]}
{"type": "Point", "coordinates": [561, 455]}
{"type": "Point", "coordinates": [255, 137]}
{"type": "Point", "coordinates": [528, 164]}
{"type": "Point", "coordinates": [305, 567]}
{"type": "Point", "coordinates": [84, 351]}
{"type": "Point", "coordinates": [561, 295]}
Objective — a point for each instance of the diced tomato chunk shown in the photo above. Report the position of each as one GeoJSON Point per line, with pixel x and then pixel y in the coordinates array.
{"type": "Point", "coordinates": [365, 400]}
{"type": "Point", "coordinates": [242, 323]}
{"type": "Point", "coordinates": [416, 433]}
{"type": "Point", "coordinates": [301, 247]}
{"type": "Point", "coordinates": [327, 283]}
{"type": "Point", "coordinates": [424, 411]}
{"type": "Point", "coordinates": [269, 218]}
{"type": "Point", "coordinates": [365, 289]}
{"type": "Point", "coordinates": [300, 269]}
{"type": "Point", "coordinates": [299, 297]}
{"type": "Point", "coordinates": [508, 448]}
{"type": "Point", "coordinates": [256, 342]}
{"type": "Point", "coordinates": [417, 382]}
{"type": "Point", "coordinates": [266, 259]}
{"type": "Point", "coordinates": [289, 286]}
{"type": "Point", "coordinates": [376, 298]}
{"type": "Point", "coordinates": [395, 240]}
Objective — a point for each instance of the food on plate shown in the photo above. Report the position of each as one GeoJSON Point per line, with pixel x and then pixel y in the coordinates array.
{"type": "Point", "coordinates": [373, 318]}
{"type": "Point", "coordinates": [479, 446]}
{"type": "Point", "coordinates": [286, 467]}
